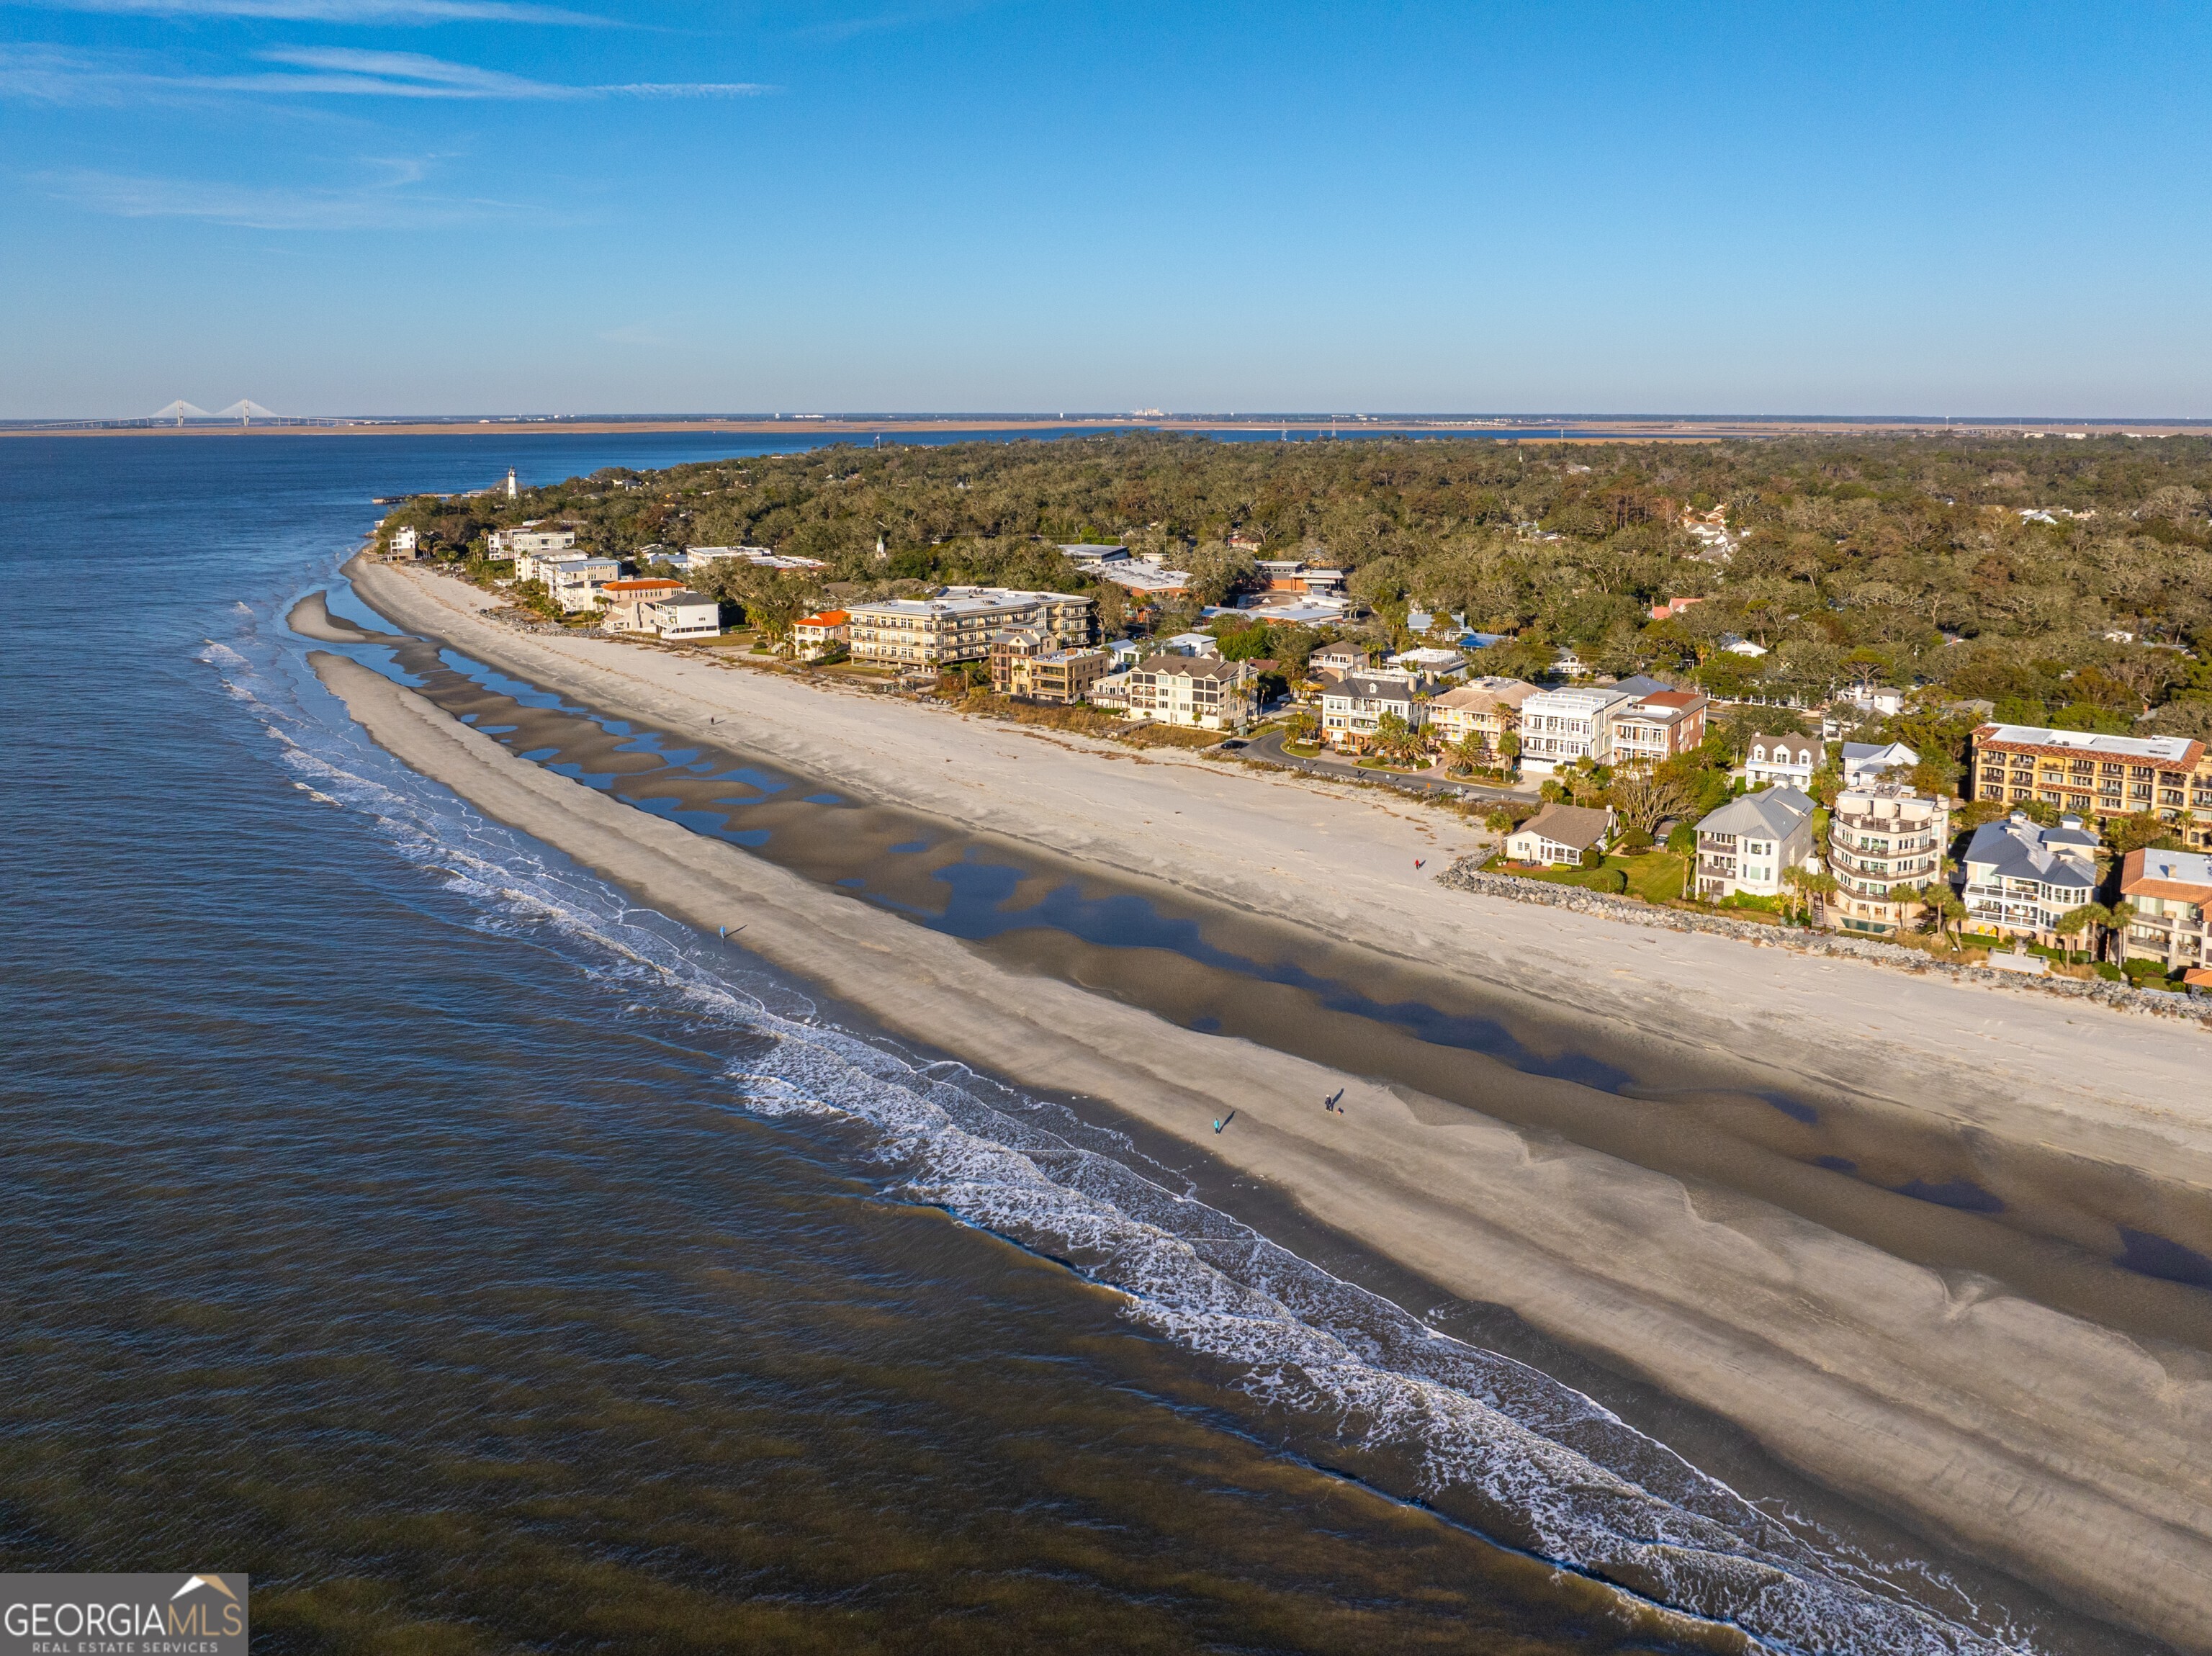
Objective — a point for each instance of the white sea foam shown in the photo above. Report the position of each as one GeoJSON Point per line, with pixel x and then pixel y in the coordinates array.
{"type": "Point", "coordinates": [1562, 1475]}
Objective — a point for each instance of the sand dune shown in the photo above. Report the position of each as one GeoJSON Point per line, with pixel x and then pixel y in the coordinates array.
{"type": "Point", "coordinates": [2066, 1451]}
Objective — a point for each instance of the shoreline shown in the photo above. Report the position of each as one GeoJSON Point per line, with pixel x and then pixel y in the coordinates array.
{"type": "Point", "coordinates": [1622, 428]}
{"type": "Point", "coordinates": [1339, 858]}
{"type": "Point", "coordinates": [2066, 1454]}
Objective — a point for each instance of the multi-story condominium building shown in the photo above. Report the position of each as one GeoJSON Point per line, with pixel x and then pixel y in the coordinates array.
{"type": "Point", "coordinates": [576, 583]}
{"type": "Point", "coordinates": [1352, 707]}
{"type": "Point", "coordinates": [2172, 891]}
{"type": "Point", "coordinates": [1560, 726]}
{"type": "Point", "coordinates": [1024, 662]}
{"type": "Point", "coordinates": [1486, 708]}
{"type": "Point", "coordinates": [957, 624]}
{"type": "Point", "coordinates": [1748, 843]}
{"type": "Point", "coordinates": [2097, 776]}
{"type": "Point", "coordinates": [528, 542]}
{"type": "Point", "coordinates": [1883, 837]}
{"type": "Point", "coordinates": [1662, 725]}
{"type": "Point", "coordinates": [1780, 761]}
{"type": "Point", "coordinates": [1204, 691]}
{"type": "Point", "coordinates": [2020, 879]}
{"type": "Point", "coordinates": [625, 602]}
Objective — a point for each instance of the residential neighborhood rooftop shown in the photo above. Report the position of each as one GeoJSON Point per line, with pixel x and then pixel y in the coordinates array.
{"type": "Point", "coordinates": [1770, 811]}
{"type": "Point", "coordinates": [1570, 825]}
{"type": "Point", "coordinates": [2184, 876]}
{"type": "Point", "coordinates": [2168, 749]}
{"type": "Point", "coordinates": [2018, 849]}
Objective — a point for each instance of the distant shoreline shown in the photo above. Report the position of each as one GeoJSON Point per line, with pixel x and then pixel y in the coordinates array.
{"type": "Point", "coordinates": [1625, 429]}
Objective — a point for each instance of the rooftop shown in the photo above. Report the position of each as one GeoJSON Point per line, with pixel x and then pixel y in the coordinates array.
{"type": "Point", "coordinates": [1490, 691]}
{"type": "Point", "coordinates": [1581, 826]}
{"type": "Point", "coordinates": [1381, 687]}
{"type": "Point", "coordinates": [1772, 811]}
{"type": "Point", "coordinates": [2017, 849]}
{"type": "Point", "coordinates": [1191, 667]}
{"type": "Point", "coordinates": [2168, 749]}
{"type": "Point", "coordinates": [1587, 699]}
{"type": "Point", "coordinates": [2185, 875]}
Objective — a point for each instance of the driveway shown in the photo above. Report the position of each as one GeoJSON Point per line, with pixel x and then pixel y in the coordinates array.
{"type": "Point", "coordinates": [1267, 749]}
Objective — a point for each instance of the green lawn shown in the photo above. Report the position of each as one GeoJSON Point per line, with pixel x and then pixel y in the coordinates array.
{"type": "Point", "coordinates": [1657, 877]}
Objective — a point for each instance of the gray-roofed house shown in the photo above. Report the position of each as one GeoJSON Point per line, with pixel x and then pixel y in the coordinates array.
{"type": "Point", "coordinates": [1558, 835]}
{"type": "Point", "coordinates": [1203, 691]}
{"type": "Point", "coordinates": [1748, 843]}
{"type": "Point", "coordinates": [1868, 761]}
{"type": "Point", "coordinates": [2020, 878]}
{"type": "Point", "coordinates": [1352, 707]}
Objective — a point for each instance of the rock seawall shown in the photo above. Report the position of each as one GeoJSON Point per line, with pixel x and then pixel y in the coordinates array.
{"type": "Point", "coordinates": [1468, 875]}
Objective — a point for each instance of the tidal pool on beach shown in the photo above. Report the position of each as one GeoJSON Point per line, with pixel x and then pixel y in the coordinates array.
{"type": "Point", "coordinates": [1913, 1189]}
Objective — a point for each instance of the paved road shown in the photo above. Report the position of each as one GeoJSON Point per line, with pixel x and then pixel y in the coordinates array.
{"type": "Point", "coordinates": [1267, 749]}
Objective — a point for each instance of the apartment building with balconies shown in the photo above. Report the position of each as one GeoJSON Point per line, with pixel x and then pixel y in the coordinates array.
{"type": "Point", "coordinates": [2172, 894]}
{"type": "Point", "coordinates": [1883, 838]}
{"type": "Point", "coordinates": [957, 624]}
{"type": "Point", "coordinates": [1560, 726]}
{"type": "Point", "coordinates": [2018, 880]}
{"type": "Point", "coordinates": [1204, 692]}
{"type": "Point", "coordinates": [1659, 726]}
{"type": "Point", "coordinates": [1488, 708]}
{"type": "Point", "coordinates": [1024, 662]}
{"type": "Point", "coordinates": [2094, 775]}
{"type": "Point", "coordinates": [1352, 708]}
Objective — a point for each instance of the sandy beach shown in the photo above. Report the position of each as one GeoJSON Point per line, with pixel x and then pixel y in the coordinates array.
{"type": "Point", "coordinates": [2078, 1456]}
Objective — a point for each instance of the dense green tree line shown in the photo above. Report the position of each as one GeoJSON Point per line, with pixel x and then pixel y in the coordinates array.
{"type": "Point", "coordinates": [1885, 559]}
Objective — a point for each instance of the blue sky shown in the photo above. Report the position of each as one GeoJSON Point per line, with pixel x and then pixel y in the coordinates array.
{"type": "Point", "coordinates": [499, 205]}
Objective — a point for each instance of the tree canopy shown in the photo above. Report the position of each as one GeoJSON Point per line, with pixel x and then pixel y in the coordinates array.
{"type": "Point", "coordinates": [2063, 582]}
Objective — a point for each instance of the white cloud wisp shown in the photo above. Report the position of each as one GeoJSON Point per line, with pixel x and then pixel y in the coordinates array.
{"type": "Point", "coordinates": [46, 74]}
{"type": "Point", "coordinates": [335, 11]}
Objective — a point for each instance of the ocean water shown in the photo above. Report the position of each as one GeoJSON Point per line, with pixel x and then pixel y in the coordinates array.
{"type": "Point", "coordinates": [400, 1214]}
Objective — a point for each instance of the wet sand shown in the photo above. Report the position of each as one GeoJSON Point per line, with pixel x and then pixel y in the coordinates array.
{"type": "Point", "coordinates": [311, 617]}
{"type": "Point", "coordinates": [2071, 1454]}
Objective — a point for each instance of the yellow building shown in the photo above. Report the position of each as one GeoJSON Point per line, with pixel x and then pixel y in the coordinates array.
{"type": "Point", "coordinates": [2094, 775]}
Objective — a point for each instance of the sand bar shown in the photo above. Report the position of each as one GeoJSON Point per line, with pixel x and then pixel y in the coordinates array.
{"type": "Point", "coordinates": [2043, 1442]}
{"type": "Point", "coordinates": [2115, 1089]}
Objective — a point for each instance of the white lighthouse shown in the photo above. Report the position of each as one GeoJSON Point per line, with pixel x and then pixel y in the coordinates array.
{"type": "Point", "coordinates": [510, 482]}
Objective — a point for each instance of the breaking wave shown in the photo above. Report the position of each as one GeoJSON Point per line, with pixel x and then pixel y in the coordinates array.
{"type": "Point", "coordinates": [1346, 1376]}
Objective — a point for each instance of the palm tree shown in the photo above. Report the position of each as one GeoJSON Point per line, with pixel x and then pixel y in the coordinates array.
{"type": "Point", "coordinates": [2074, 922]}
{"type": "Point", "coordinates": [2119, 918]}
{"type": "Point", "coordinates": [1951, 912]}
{"type": "Point", "coordinates": [1820, 887]}
{"type": "Point", "coordinates": [1794, 895]}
